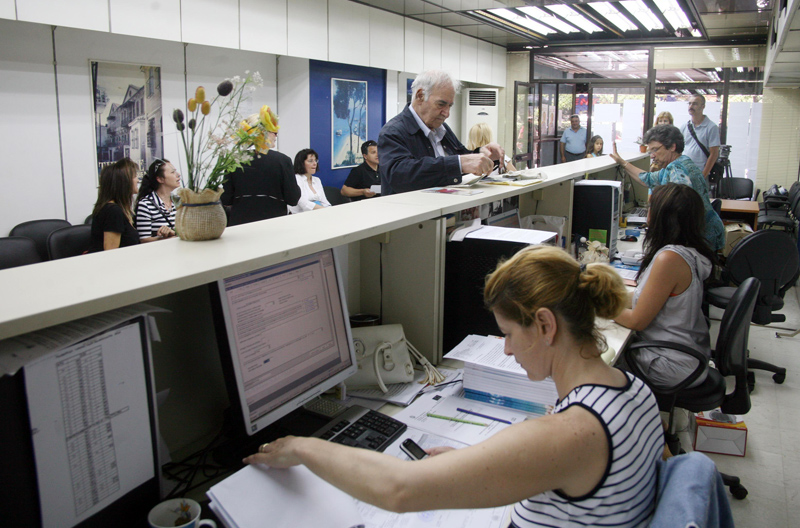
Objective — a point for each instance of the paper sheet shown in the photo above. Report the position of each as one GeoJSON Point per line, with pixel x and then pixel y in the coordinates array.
{"type": "Point", "coordinates": [416, 416]}
{"type": "Point", "coordinates": [256, 496]}
{"type": "Point", "coordinates": [88, 406]}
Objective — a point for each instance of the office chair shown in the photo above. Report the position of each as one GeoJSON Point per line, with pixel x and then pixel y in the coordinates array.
{"type": "Point", "coordinates": [771, 257]}
{"type": "Point", "coordinates": [735, 188]}
{"type": "Point", "coordinates": [69, 241]}
{"type": "Point", "coordinates": [730, 359]}
{"type": "Point", "coordinates": [88, 220]}
{"type": "Point", "coordinates": [690, 492]}
{"type": "Point", "coordinates": [17, 251]}
{"type": "Point", "coordinates": [783, 217]}
{"type": "Point", "coordinates": [335, 196]}
{"type": "Point", "coordinates": [38, 231]}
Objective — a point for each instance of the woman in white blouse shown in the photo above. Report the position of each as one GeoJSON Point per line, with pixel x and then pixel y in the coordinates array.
{"type": "Point", "coordinates": [312, 194]}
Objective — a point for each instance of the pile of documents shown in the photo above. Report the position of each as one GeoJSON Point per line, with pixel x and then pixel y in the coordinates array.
{"type": "Point", "coordinates": [492, 377]}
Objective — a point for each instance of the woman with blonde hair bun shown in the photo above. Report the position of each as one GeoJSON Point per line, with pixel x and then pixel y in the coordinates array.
{"type": "Point", "coordinates": [267, 185]}
{"type": "Point", "coordinates": [591, 462]}
{"type": "Point", "coordinates": [481, 134]}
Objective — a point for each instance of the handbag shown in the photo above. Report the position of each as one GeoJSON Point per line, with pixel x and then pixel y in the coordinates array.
{"type": "Point", "coordinates": [384, 357]}
{"type": "Point", "coordinates": [718, 170]}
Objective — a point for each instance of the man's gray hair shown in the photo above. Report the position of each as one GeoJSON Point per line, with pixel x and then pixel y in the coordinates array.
{"type": "Point", "coordinates": [430, 79]}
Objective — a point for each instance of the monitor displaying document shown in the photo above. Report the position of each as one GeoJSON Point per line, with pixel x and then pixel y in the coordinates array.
{"type": "Point", "coordinates": [284, 336]}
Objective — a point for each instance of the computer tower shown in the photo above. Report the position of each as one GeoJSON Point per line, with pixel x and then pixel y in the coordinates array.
{"type": "Point", "coordinates": [596, 205]}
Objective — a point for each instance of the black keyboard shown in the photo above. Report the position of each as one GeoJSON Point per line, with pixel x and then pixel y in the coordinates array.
{"type": "Point", "coordinates": [361, 427]}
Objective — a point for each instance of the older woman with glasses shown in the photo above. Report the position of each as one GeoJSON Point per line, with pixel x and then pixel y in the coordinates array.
{"type": "Point", "coordinates": [155, 212]}
{"type": "Point", "coordinates": [665, 146]}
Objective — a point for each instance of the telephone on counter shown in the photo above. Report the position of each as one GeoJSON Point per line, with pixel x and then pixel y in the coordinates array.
{"type": "Point", "coordinates": [384, 356]}
{"type": "Point", "coordinates": [632, 257]}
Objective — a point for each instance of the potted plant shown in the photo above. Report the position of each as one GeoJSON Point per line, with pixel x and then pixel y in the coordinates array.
{"type": "Point", "coordinates": [213, 147]}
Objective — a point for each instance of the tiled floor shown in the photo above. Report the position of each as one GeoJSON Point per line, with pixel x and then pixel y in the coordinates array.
{"type": "Point", "coordinates": [771, 469]}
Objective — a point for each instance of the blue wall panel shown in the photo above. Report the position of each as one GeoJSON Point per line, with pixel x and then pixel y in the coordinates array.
{"type": "Point", "coordinates": [320, 75]}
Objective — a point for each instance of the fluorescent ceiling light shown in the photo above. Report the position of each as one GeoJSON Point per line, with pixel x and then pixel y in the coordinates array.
{"type": "Point", "coordinates": [712, 91]}
{"type": "Point", "coordinates": [685, 77]}
{"type": "Point", "coordinates": [571, 16]}
{"type": "Point", "coordinates": [687, 92]}
{"type": "Point", "coordinates": [547, 18]}
{"type": "Point", "coordinates": [718, 69]}
{"type": "Point", "coordinates": [673, 13]}
{"type": "Point", "coordinates": [612, 15]}
{"type": "Point", "coordinates": [713, 76]}
{"type": "Point", "coordinates": [645, 17]}
{"type": "Point", "coordinates": [522, 21]}
{"type": "Point", "coordinates": [740, 69]}
{"type": "Point", "coordinates": [633, 76]}
{"type": "Point", "coordinates": [701, 91]}
{"type": "Point", "coordinates": [676, 92]}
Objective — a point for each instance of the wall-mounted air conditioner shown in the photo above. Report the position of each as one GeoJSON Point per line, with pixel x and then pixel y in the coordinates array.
{"type": "Point", "coordinates": [480, 106]}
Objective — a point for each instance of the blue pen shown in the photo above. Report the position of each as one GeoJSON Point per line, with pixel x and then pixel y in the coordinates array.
{"type": "Point", "coordinates": [483, 416]}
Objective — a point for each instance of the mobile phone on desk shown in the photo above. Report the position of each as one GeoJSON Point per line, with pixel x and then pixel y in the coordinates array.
{"type": "Point", "coordinates": [412, 449]}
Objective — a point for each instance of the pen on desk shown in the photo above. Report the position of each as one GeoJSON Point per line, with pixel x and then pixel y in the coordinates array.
{"type": "Point", "coordinates": [459, 420]}
{"type": "Point", "coordinates": [459, 409]}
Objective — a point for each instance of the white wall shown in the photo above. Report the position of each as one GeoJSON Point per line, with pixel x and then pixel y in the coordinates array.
{"type": "Point", "coordinates": [293, 107]}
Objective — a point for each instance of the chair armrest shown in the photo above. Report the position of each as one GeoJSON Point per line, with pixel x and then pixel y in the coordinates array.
{"type": "Point", "coordinates": [696, 373]}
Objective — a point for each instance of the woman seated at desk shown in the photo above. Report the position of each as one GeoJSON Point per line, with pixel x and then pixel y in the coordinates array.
{"type": "Point", "coordinates": [312, 193]}
{"type": "Point", "coordinates": [593, 460]}
{"type": "Point", "coordinates": [665, 146]}
{"type": "Point", "coordinates": [667, 302]}
{"type": "Point", "coordinates": [112, 217]}
{"type": "Point", "coordinates": [155, 211]}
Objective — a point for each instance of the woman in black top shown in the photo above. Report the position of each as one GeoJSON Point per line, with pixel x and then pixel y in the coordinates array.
{"type": "Point", "coordinates": [112, 218]}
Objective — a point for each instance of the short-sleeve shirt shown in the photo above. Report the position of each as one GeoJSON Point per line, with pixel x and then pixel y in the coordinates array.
{"type": "Point", "coordinates": [574, 141]}
{"type": "Point", "coordinates": [112, 218]}
{"type": "Point", "coordinates": [362, 177]}
{"type": "Point", "coordinates": [708, 134]}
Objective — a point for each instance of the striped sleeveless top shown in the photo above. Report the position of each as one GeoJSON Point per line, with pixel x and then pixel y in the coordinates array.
{"type": "Point", "coordinates": [625, 496]}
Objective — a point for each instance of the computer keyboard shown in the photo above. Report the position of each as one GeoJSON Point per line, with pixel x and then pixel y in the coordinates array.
{"type": "Point", "coordinates": [638, 211]}
{"type": "Point", "coordinates": [361, 427]}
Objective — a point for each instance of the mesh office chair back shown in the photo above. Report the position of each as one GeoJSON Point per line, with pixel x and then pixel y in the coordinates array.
{"type": "Point", "coordinates": [38, 231]}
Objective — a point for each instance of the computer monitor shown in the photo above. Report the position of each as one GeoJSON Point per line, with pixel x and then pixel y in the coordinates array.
{"type": "Point", "coordinates": [284, 337]}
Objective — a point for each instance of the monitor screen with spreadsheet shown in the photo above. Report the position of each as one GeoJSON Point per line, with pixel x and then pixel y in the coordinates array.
{"type": "Point", "coordinates": [284, 336]}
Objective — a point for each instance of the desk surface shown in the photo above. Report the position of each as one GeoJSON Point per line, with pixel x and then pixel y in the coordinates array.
{"type": "Point", "coordinates": [49, 293]}
{"type": "Point", "coordinates": [740, 206]}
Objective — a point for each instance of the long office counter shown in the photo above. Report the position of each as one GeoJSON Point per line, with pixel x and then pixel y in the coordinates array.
{"type": "Point", "coordinates": [41, 295]}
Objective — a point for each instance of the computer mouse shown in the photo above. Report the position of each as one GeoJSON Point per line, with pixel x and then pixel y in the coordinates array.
{"type": "Point", "coordinates": [629, 239]}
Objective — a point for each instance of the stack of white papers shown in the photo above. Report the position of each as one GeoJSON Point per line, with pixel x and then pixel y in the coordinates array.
{"type": "Point", "coordinates": [492, 377]}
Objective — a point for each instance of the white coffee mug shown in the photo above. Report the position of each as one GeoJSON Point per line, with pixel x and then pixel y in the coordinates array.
{"type": "Point", "coordinates": [165, 515]}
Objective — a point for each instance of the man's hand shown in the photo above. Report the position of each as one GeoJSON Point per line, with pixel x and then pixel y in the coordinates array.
{"type": "Point", "coordinates": [494, 151]}
{"type": "Point", "coordinates": [367, 193]}
{"type": "Point", "coordinates": [478, 164]}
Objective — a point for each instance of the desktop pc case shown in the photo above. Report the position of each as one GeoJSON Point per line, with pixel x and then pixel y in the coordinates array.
{"type": "Point", "coordinates": [596, 205]}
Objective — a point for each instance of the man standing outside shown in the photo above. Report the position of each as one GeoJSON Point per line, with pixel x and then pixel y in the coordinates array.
{"type": "Point", "coordinates": [418, 150]}
{"type": "Point", "coordinates": [361, 178]}
{"type": "Point", "coordinates": [702, 146]}
{"type": "Point", "coordinates": [573, 141]}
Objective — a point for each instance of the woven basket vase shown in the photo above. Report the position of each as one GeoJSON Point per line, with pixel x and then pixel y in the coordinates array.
{"type": "Point", "coordinates": [200, 216]}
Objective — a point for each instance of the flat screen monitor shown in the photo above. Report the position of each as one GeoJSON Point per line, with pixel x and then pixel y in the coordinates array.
{"type": "Point", "coordinates": [284, 338]}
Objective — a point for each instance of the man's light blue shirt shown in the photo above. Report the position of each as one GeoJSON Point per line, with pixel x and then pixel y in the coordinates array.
{"type": "Point", "coordinates": [574, 140]}
{"type": "Point", "coordinates": [708, 134]}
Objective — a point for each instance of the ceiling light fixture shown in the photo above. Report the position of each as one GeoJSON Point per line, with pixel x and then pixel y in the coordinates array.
{"type": "Point", "coordinates": [645, 17]}
{"type": "Point", "coordinates": [522, 21]}
{"type": "Point", "coordinates": [735, 54]}
{"type": "Point", "coordinates": [674, 14]}
{"type": "Point", "coordinates": [612, 15]}
{"type": "Point", "coordinates": [683, 76]}
{"type": "Point", "coordinates": [549, 19]}
{"type": "Point", "coordinates": [571, 16]}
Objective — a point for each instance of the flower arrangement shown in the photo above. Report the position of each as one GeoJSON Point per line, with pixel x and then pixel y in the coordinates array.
{"type": "Point", "coordinates": [215, 149]}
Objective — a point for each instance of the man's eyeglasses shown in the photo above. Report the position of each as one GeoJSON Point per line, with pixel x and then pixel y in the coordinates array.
{"type": "Point", "coordinates": [653, 151]}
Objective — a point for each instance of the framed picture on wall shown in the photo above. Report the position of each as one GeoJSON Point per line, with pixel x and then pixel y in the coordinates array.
{"type": "Point", "coordinates": [127, 112]}
{"type": "Point", "coordinates": [348, 122]}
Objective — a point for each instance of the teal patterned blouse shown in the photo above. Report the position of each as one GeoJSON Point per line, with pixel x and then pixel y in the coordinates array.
{"type": "Point", "coordinates": [685, 172]}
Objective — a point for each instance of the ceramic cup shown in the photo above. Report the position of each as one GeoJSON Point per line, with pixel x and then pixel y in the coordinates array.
{"type": "Point", "coordinates": [165, 515]}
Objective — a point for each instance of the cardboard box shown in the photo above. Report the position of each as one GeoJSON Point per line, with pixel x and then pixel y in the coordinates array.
{"type": "Point", "coordinates": [733, 234]}
{"type": "Point", "coordinates": [715, 432]}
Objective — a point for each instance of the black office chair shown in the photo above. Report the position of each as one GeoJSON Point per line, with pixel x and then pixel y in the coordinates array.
{"type": "Point", "coordinates": [772, 258]}
{"type": "Point", "coordinates": [785, 218]}
{"type": "Point", "coordinates": [17, 251]}
{"type": "Point", "coordinates": [735, 188]}
{"type": "Point", "coordinates": [335, 196]}
{"type": "Point", "coordinates": [730, 359]}
{"type": "Point", "coordinates": [773, 199]}
{"type": "Point", "coordinates": [88, 220]}
{"type": "Point", "coordinates": [38, 231]}
{"type": "Point", "coordinates": [69, 241]}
